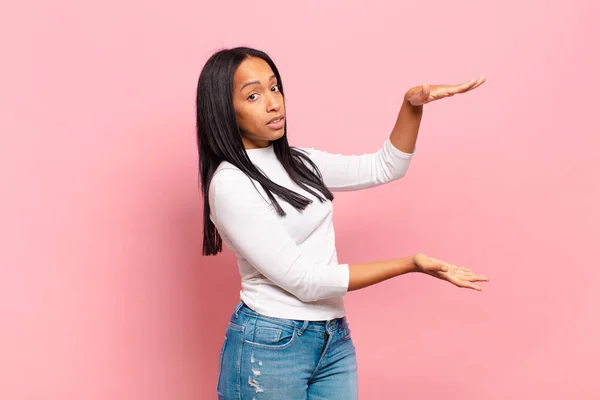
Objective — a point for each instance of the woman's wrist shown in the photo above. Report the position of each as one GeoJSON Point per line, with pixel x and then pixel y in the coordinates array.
{"type": "Point", "coordinates": [416, 109]}
{"type": "Point", "coordinates": [406, 265]}
{"type": "Point", "coordinates": [416, 258]}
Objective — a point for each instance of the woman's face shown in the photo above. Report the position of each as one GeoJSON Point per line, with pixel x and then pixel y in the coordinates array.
{"type": "Point", "coordinates": [257, 101]}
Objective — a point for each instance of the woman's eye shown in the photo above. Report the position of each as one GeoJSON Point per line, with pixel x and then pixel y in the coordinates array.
{"type": "Point", "coordinates": [253, 97]}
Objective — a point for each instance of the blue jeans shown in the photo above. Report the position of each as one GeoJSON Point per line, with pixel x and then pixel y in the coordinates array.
{"type": "Point", "coordinates": [265, 358]}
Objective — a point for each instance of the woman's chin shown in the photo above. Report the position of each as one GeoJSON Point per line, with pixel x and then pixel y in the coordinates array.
{"type": "Point", "coordinates": [274, 135]}
{"type": "Point", "coordinates": [261, 141]}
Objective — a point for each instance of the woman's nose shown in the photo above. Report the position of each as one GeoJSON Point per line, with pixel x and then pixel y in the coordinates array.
{"type": "Point", "coordinates": [273, 103]}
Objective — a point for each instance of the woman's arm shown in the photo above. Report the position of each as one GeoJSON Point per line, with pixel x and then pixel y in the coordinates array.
{"type": "Point", "coordinates": [363, 275]}
{"type": "Point", "coordinates": [405, 132]}
{"type": "Point", "coordinates": [391, 161]}
{"type": "Point", "coordinates": [367, 274]}
{"type": "Point", "coordinates": [355, 172]}
{"type": "Point", "coordinates": [248, 222]}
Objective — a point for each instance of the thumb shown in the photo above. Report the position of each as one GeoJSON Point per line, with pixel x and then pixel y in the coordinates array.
{"type": "Point", "coordinates": [425, 90]}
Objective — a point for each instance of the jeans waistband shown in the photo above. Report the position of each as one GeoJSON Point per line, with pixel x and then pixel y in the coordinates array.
{"type": "Point", "coordinates": [319, 326]}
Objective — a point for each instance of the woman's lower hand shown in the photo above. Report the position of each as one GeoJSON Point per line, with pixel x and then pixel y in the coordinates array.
{"type": "Point", "coordinates": [459, 276]}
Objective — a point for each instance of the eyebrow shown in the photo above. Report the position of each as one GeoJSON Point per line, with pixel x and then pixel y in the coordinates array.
{"type": "Point", "coordinates": [255, 82]}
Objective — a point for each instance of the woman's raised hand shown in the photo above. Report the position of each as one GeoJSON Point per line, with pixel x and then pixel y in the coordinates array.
{"type": "Point", "coordinates": [426, 93]}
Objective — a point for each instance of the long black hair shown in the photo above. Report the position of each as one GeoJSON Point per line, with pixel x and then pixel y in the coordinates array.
{"type": "Point", "coordinates": [219, 139]}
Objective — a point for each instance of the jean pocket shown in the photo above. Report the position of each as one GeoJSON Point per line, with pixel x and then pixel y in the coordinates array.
{"type": "Point", "coordinates": [270, 335]}
{"type": "Point", "coordinates": [232, 326]}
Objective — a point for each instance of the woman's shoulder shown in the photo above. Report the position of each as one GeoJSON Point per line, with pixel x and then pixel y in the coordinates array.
{"type": "Point", "coordinates": [229, 180]}
{"type": "Point", "coordinates": [230, 187]}
{"type": "Point", "coordinates": [228, 174]}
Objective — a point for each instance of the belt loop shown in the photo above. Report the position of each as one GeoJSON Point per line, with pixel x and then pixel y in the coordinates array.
{"type": "Point", "coordinates": [237, 308]}
{"type": "Point", "coordinates": [302, 328]}
{"type": "Point", "coordinates": [329, 323]}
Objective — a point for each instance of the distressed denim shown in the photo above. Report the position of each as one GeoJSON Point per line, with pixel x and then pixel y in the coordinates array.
{"type": "Point", "coordinates": [265, 358]}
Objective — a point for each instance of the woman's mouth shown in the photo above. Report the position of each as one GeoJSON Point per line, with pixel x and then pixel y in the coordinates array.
{"type": "Point", "coordinates": [277, 124]}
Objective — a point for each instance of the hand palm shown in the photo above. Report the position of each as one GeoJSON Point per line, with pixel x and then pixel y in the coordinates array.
{"type": "Point", "coordinates": [426, 93]}
{"type": "Point", "coordinates": [459, 276]}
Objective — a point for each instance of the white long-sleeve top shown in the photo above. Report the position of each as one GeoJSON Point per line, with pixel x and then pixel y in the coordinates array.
{"type": "Point", "coordinates": [288, 265]}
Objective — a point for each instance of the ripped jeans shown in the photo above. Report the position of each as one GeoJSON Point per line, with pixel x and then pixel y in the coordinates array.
{"type": "Point", "coordinates": [265, 358]}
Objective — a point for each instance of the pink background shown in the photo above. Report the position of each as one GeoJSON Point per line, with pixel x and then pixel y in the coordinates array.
{"type": "Point", "coordinates": [103, 291]}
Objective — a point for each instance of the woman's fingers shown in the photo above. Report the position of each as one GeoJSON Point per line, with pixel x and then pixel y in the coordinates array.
{"type": "Point", "coordinates": [472, 286]}
{"type": "Point", "coordinates": [473, 277]}
{"type": "Point", "coordinates": [460, 88]}
{"type": "Point", "coordinates": [463, 283]}
{"type": "Point", "coordinates": [430, 93]}
{"type": "Point", "coordinates": [463, 277]}
{"type": "Point", "coordinates": [457, 275]}
{"type": "Point", "coordinates": [465, 87]}
{"type": "Point", "coordinates": [468, 284]}
{"type": "Point", "coordinates": [479, 82]}
{"type": "Point", "coordinates": [466, 273]}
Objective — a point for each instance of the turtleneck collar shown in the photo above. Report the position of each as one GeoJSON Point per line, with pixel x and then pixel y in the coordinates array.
{"type": "Point", "coordinates": [261, 152]}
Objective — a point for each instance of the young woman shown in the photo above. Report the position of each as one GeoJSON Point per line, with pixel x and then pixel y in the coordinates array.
{"type": "Point", "coordinates": [288, 337]}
